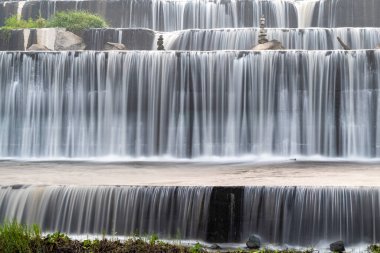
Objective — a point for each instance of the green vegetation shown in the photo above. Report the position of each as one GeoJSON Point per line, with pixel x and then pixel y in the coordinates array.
{"type": "Point", "coordinates": [153, 239]}
{"type": "Point", "coordinates": [74, 21]}
{"type": "Point", "coordinates": [197, 248]}
{"type": "Point", "coordinates": [15, 237]}
{"type": "Point", "coordinates": [374, 248]}
{"type": "Point", "coordinates": [15, 22]}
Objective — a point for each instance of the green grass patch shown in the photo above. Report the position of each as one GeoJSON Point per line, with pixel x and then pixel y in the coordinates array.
{"type": "Point", "coordinates": [15, 237]}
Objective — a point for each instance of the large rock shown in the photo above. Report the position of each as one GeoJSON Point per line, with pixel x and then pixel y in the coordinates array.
{"type": "Point", "coordinates": [377, 46]}
{"type": "Point", "coordinates": [65, 40]}
{"type": "Point", "coordinates": [253, 242]}
{"type": "Point", "coordinates": [114, 46]}
{"type": "Point", "coordinates": [270, 45]}
{"type": "Point", "coordinates": [337, 246]}
{"type": "Point", "coordinates": [37, 47]}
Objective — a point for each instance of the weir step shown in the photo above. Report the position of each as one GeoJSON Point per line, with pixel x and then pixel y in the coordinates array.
{"type": "Point", "coordinates": [179, 15]}
{"type": "Point", "coordinates": [302, 216]}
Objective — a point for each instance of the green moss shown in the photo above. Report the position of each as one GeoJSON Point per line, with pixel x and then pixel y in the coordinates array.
{"type": "Point", "coordinates": [76, 21]}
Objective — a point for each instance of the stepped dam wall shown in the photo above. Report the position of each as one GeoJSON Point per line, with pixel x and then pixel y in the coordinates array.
{"type": "Point", "coordinates": [279, 215]}
{"type": "Point", "coordinates": [203, 39]}
{"type": "Point", "coordinates": [166, 15]}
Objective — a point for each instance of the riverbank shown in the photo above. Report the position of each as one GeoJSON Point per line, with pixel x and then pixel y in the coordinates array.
{"type": "Point", "coordinates": [15, 237]}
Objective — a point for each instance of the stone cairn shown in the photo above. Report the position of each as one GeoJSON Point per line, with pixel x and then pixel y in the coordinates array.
{"type": "Point", "coordinates": [263, 33]}
{"type": "Point", "coordinates": [160, 43]}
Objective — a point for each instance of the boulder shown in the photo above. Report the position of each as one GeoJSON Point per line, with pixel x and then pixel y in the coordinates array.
{"type": "Point", "coordinates": [253, 242]}
{"type": "Point", "coordinates": [114, 46]}
{"type": "Point", "coordinates": [270, 45]}
{"type": "Point", "coordinates": [215, 246]}
{"type": "Point", "coordinates": [65, 40]}
{"type": "Point", "coordinates": [377, 46]}
{"type": "Point", "coordinates": [337, 246]}
{"type": "Point", "coordinates": [37, 47]}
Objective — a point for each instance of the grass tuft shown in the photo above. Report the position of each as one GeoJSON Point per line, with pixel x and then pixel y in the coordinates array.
{"type": "Point", "coordinates": [15, 237]}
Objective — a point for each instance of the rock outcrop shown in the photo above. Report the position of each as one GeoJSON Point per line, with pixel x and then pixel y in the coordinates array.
{"type": "Point", "coordinates": [337, 246]}
{"type": "Point", "coordinates": [270, 45]}
{"type": "Point", "coordinates": [37, 47]}
{"type": "Point", "coordinates": [114, 46]}
{"type": "Point", "coordinates": [66, 40]}
{"type": "Point", "coordinates": [253, 242]}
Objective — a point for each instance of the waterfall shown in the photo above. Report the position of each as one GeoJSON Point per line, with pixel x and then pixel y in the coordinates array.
{"type": "Point", "coordinates": [346, 13]}
{"type": "Point", "coordinates": [246, 38]}
{"type": "Point", "coordinates": [306, 216]}
{"type": "Point", "coordinates": [134, 39]}
{"type": "Point", "coordinates": [189, 104]}
{"type": "Point", "coordinates": [168, 15]}
{"type": "Point", "coordinates": [303, 216]}
{"type": "Point", "coordinates": [126, 210]}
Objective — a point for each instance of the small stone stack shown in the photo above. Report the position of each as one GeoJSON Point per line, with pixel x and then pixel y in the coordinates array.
{"type": "Point", "coordinates": [263, 33]}
{"type": "Point", "coordinates": [160, 43]}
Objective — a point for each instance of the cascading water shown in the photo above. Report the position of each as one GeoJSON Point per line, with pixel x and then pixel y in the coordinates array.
{"type": "Point", "coordinates": [246, 38]}
{"type": "Point", "coordinates": [163, 15]}
{"type": "Point", "coordinates": [345, 13]}
{"type": "Point", "coordinates": [169, 15]}
{"type": "Point", "coordinates": [167, 211]}
{"type": "Point", "coordinates": [303, 216]}
{"type": "Point", "coordinates": [197, 104]}
{"type": "Point", "coordinates": [189, 104]}
{"type": "Point", "coordinates": [307, 216]}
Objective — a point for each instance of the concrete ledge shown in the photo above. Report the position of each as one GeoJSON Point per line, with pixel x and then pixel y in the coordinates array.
{"type": "Point", "coordinates": [133, 39]}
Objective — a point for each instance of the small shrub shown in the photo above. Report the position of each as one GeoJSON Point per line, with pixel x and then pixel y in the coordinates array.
{"type": "Point", "coordinates": [197, 248]}
{"type": "Point", "coordinates": [57, 237]}
{"type": "Point", "coordinates": [76, 21]}
{"type": "Point", "coordinates": [16, 22]}
{"type": "Point", "coordinates": [374, 248]}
